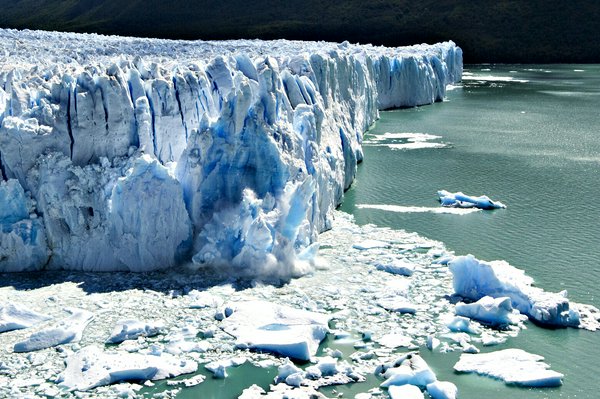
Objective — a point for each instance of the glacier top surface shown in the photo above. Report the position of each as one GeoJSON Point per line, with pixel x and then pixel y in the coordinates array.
{"type": "Point", "coordinates": [29, 48]}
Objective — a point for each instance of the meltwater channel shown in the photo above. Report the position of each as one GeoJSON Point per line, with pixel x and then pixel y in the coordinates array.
{"type": "Point", "coordinates": [526, 135]}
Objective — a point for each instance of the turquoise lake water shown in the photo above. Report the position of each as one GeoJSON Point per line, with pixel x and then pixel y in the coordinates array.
{"type": "Point", "coordinates": [528, 136]}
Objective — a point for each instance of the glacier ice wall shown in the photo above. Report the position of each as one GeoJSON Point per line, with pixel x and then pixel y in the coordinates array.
{"type": "Point", "coordinates": [141, 154]}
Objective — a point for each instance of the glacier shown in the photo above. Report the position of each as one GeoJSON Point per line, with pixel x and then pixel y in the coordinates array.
{"type": "Point", "coordinates": [134, 154]}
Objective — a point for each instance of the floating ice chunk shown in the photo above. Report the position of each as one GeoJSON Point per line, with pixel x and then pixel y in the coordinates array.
{"type": "Point", "coordinates": [67, 331]}
{"type": "Point", "coordinates": [408, 369]}
{"type": "Point", "coordinates": [491, 340]}
{"type": "Point", "coordinates": [203, 299]}
{"type": "Point", "coordinates": [189, 382]}
{"type": "Point", "coordinates": [474, 279]}
{"type": "Point", "coordinates": [281, 391]}
{"type": "Point", "coordinates": [219, 367]}
{"type": "Point", "coordinates": [397, 304]}
{"type": "Point", "coordinates": [328, 371]}
{"type": "Point", "coordinates": [397, 266]}
{"type": "Point", "coordinates": [460, 200]}
{"type": "Point", "coordinates": [497, 312]}
{"type": "Point", "coordinates": [91, 367]}
{"type": "Point", "coordinates": [442, 390]}
{"type": "Point", "coordinates": [394, 341]}
{"type": "Point", "coordinates": [276, 328]}
{"type": "Point", "coordinates": [462, 324]}
{"type": "Point", "coordinates": [290, 371]}
{"type": "Point", "coordinates": [370, 244]}
{"type": "Point", "coordinates": [492, 78]}
{"type": "Point", "coordinates": [15, 317]}
{"type": "Point", "coordinates": [513, 366]}
{"type": "Point", "coordinates": [131, 329]}
{"type": "Point", "coordinates": [405, 392]}
{"type": "Point", "coordinates": [432, 342]}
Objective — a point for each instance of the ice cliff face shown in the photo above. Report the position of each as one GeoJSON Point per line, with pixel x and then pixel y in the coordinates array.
{"type": "Point", "coordinates": [136, 154]}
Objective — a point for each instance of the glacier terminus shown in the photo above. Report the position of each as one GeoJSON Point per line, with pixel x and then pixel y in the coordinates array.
{"type": "Point", "coordinates": [126, 154]}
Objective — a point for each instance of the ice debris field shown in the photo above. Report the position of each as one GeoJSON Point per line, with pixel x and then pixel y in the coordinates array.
{"type": "Point", "coordinates": [211, 168]}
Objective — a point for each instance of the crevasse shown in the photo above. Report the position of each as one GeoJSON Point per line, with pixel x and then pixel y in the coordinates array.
{"type": "Point", "coordinates": [143, 154]}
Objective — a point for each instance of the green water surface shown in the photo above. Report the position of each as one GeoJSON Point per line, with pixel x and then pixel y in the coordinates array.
{"type": "Point", "coordinates": [534, 144]}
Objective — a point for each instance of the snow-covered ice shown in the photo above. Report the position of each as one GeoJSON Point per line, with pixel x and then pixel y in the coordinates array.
{"type": "Point", "coordinates": [460, 200]}
{"type": "Point", "coordinates": [513, 366]}
{"type": "Point", "coordinates": [14, 316]}
{"type": "Point", "coordinates": [142, 154]}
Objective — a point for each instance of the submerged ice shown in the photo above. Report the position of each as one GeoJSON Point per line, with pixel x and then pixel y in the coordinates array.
{"type": "Point", "coordinates": [140, 154]}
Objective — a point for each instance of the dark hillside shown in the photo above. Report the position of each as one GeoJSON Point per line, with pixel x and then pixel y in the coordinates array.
{"type": "Point", "coordinates": [489, 31]}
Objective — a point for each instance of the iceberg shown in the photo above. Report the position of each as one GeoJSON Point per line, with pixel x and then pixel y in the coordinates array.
{"type": "Point", "coordinates": [513, 366]}
{"type": "Point", "coordinates": [280, 329]}
{"type": "Point", "coordinates": [135, 154]}
{"type": "Point", "coordinates": [474, 279]}
{"type": "Point", "coordinates": [460, 200]}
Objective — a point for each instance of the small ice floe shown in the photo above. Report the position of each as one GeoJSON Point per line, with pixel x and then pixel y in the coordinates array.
{"type": "Point", "coordinates": [473, 279]}
{"type": "Point", "coordinates": [219, 367]}
{"type": "Point", "coordinates": [407, 369]}
{"type": "Point", "coordinates": [397, 304]}
{"type": "Point", "coordinates": [92, 367]}
{"type": "Point", "coordinates": [394, 341]}
{"type": "Point", "coordinates": [188, 382]}
{"type": "Point", "coordinates": [15, 317]}
{"type": "Point", "coordinates": [405, 141]}
{"type": "Point", "coordinates": [276, 328]}
{"type": "Point", "coordinates": [281, 391]}
{"type": "Point", "coordinates": [460, 200]}
{"type": "Point", "coordinates": [397, 266]}
{"type": "Point", "coordinates": [513, 366]}
{"type": "Point", "coordinates": [326, 371]}
{"type": "Point", "coordinates": [418, 209]}
{"type": "Point", "coordinates": [132, 329]}
{"type": "Point", "coordinates": [405, 392]}
{"type": "Point", "coordinates": [495, 312]}
{"type": "Point", "coordinates": [203, 299]}
{"type": "Point", "coordinates": [442, 390]}
{"type": "Point", "coordinates": [370, 244]}
{"type": "Point", "coordinates": [491, 78]}
{"type": "Point", "coordinates": [462, 324]}
{"type": "Point", "coordinates": [411, 370]}
{"type": "Point", "coordinates": [67, 331]}
{"type": "Point", "coordinates": [184, 339]}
